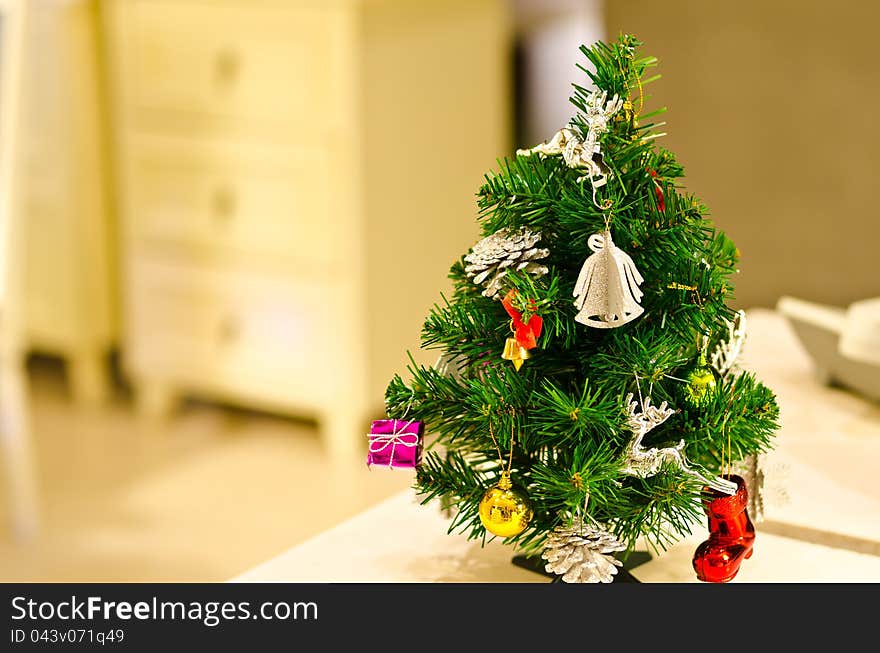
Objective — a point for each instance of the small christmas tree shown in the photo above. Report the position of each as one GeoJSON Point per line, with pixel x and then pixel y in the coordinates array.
{"type": "Point", "coordinates": [587, 395]}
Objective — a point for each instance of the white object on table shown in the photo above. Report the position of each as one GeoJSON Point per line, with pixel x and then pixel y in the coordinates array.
{"type": "Point", "coordinates": [14, 420]}
{"type": "Point", "coordinates": [860, 339]}
{"type": "Point", "coordinates": [844, 343]}
{"type": "Point", "coordinates": [821, 503]}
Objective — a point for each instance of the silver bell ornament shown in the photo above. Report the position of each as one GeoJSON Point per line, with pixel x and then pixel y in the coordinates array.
{"type": "Point", "coordinates": [607, 290]}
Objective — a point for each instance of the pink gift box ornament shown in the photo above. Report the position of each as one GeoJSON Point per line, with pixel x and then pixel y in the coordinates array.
{"type": "Point", "coordinates": [395, 443]}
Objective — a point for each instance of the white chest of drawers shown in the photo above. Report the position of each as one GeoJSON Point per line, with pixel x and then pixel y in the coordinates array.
{"type": "Point", "coordinates": [295, 179]}
{"type": "Point", "coordinates": [68, 257]}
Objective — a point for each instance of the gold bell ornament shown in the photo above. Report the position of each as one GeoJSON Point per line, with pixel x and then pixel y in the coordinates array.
{"type": "Point", "coordinates": [515, 353]}
{"type": "Point", "coordinates": [503, 510]}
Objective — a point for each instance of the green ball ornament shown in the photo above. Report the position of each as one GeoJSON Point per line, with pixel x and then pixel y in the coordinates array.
{"type": "Point", "coordinates": [700, 383]}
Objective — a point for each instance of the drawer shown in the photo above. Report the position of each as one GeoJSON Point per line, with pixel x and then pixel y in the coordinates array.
{"type": "Point", "coordinates": [244, 60]}
{"type": "Point", "coordinates": [230, 331]}
{"type": "Point", "coordinates": [250, 202]}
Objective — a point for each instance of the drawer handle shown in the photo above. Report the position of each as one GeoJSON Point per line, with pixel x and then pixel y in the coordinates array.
{"type": "Point", "coordinates": [227, 66]}
{"type": "Point", "coordinates": [224, 204]}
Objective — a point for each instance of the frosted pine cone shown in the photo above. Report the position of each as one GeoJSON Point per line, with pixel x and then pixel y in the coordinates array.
{"type": "Point", "coordinates": [579, 553]}
{"type": "Point", "coordinates": [506, 249]}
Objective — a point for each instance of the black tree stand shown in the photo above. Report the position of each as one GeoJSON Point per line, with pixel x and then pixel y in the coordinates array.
{"type": "Point", "coordinates": [624, 575]}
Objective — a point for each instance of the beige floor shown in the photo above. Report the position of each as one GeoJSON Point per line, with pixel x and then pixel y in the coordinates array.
{"type": "Point", "coordinates": [201, 498]}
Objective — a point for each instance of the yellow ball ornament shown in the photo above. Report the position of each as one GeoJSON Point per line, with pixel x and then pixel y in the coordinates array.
{"type": "Point", "coordinates": [504, 511]}
{"type": "Point", "coordinates": [700, 383]}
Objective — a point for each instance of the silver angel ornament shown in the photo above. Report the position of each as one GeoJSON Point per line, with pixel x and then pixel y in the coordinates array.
{"type": "Point", "coordinates": [584, 154]}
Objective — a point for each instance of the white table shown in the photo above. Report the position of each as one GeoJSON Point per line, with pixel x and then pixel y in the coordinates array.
{"type": "Point", "coordinates": [821, 522]}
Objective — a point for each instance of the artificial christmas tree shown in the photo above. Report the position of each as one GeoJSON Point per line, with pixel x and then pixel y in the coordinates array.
{"type": "Point", "coordinates": [587, 394]}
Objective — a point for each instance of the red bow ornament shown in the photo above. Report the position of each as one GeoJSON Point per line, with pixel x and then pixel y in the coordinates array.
{"type": "Point", "coordinates": [526, 333]}
{"type": "Point", "coordinates": [661, 199]}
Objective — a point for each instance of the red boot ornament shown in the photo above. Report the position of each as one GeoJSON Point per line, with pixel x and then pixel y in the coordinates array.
{"type": "Point", "coordinates": [731, 534]}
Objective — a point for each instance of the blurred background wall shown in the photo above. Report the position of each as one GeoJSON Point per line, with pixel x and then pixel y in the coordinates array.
{"type": "Point", "coordinates": [548, 35]}
{"type": "Point", "coordinates": [771, 111]}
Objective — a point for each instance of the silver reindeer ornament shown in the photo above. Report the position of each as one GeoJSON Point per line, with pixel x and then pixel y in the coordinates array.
{"type": "Point", "coordinates": [607, 290]}
{"type": "Point", "coordinates": [644, 462]}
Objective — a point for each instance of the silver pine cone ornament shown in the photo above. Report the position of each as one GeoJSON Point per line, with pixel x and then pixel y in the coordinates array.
{"type": "Point", "coordinates": [581, 553]}
{"type": "Point", "coordinates": [506, 249]}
